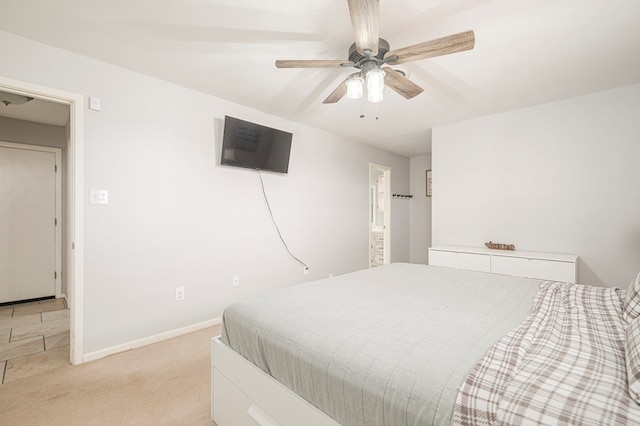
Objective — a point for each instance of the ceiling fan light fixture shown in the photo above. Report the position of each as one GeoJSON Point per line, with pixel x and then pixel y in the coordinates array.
{"type": "Point", "coordinates": [13, 98]}
{"type": "Point", "coordinates": [375, 85]}
{"type": "Point", "coordinates": [370, 52]}
{"type": "Point", "coordinates": [355, 87]}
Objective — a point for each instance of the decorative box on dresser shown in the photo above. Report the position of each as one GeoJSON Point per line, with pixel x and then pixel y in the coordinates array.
{"type": "Point", "coordinates": [546, 266]}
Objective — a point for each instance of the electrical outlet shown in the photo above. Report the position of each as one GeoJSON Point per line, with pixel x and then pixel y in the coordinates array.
{"type": "Point", "coordinates": [305, 270]}
{"type": "Point", "coordinates": [98, 196]}
{"type": "Point", "coordinates": [236, 280]}
{"type": "Point", "coordinates": [179, 293]}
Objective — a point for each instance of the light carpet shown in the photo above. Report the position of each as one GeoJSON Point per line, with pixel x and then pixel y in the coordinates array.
{"type": "Point", "coordinates": [166, 383]}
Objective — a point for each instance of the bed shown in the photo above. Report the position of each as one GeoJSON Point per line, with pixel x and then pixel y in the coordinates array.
{"type": "Point", "coordinates": [410, 344]}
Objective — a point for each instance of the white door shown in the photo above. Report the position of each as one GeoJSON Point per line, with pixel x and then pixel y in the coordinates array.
{"type": "Point", "coordinates": [29, 237]}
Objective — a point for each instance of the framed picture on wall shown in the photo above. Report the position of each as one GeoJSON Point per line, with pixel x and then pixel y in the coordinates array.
{"type": "Point", "coordinates": [428, 173]}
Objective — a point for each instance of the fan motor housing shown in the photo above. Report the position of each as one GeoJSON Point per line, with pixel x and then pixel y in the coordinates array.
{"type": "Point", "coordinates": [356, 57]}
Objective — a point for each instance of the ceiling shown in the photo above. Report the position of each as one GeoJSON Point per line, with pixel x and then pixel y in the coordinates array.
{"type": "Point", "coordinates": [527, 52]}
{"type": "Point", "coordinates": [37, 110]}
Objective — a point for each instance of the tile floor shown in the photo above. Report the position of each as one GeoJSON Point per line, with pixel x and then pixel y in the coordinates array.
{"type": "Point", "coordinates": [34, 337]}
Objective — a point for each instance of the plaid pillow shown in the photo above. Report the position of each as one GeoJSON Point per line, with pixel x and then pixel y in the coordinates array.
{"type": "Point", "coordinates": [631, 307]}
{"type": "Point", "coordinates": [632, 355]}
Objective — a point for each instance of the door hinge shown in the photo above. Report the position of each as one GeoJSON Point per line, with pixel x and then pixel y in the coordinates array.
{"type": "Point", "coordinates": [55, 168]}
{"type": "Point", "coordinates": [55, 275]}
{"type": "Point", "coordinates": [55, 221]}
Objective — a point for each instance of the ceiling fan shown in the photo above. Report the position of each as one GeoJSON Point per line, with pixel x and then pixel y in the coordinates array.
{"type": "Point", "coordinates": [371, 54]}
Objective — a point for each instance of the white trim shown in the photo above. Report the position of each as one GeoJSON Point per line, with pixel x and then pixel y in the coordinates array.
{"type": "Point", "coordinates": [75, 200]}
{"type": "Point", "coordinates": [75, 182]}
{"type": "Point", "coordinates": [59, 221]}
{"type": "Point", "coordinates": [57, 152]}
{"type": "Point", "coordinates": [92, 356]}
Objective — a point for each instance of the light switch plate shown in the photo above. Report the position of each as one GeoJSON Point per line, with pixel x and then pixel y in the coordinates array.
{"type": "Point", "coordinates": [95, 104]}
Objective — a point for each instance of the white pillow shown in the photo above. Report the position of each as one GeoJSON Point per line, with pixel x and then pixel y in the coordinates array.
{"type": "Point", "coordinates": [632, 357]}
{"type": "Point", "coordinates": [631, 307]}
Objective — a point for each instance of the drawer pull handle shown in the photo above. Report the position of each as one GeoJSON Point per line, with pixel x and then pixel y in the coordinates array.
{"type": "Point", "coordinates": [260, 416]}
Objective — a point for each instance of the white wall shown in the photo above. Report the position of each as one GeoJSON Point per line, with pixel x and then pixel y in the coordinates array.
{"type": "Point", "coordinates": [400, 232]}
{"type": "Point", "coordinates": [177, 218]}
{"type": "Point", "coordinates": [420, 213]}
{"type": "Point", "coordinates": [26, 132]}
{"type": "Point", "coordinates": [560, 177]}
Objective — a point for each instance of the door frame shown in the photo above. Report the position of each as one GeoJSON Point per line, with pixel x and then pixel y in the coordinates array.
{"type": "Point", "coordinates": [57, 152]}
{"type": "Point", "coordinates": [74, 201]}
{"type": "Point", "coordinates": [386, 171]}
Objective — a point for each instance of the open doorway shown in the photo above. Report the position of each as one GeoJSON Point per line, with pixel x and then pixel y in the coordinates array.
{"type": "Point", "coordinates": [72, 207]}
{"type": "Point", "coordinates": [31, 217]}
{"type": "Point", "coordinates": [379, 215]}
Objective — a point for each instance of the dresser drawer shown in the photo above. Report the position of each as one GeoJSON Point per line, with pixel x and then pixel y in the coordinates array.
{"type": "Point", "coordinates": [452, 259]}
{"type": "Point", "coordinates": [534, 268]}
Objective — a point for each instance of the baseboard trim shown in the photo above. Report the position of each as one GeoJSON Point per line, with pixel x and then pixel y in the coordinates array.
{"type": "Point", "coordinates": [92, 356]}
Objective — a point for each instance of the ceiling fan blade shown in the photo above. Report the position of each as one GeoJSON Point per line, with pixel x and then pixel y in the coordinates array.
{"type": "Point", "coordinates": [401, 84]}
{"type": "Point", "coordinates": [339, 92]}
{"type": "Point", "coordinates": [365, 18]}
{"type": "Point", "coordinates": [430, 49]}
{"type": "Point", "coordinates": [312, 63]}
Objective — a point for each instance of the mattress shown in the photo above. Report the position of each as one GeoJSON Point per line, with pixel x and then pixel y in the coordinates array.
{"type": "Point", "coordinates": [379, 347]}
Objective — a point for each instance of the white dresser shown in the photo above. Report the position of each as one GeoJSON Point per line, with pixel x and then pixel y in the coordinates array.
{"type": "Point", "coordinates": [546, 266]}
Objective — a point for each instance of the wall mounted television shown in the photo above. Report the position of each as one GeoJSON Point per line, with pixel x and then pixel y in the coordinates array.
{"type": "Point", "coordinates": [250, 145]}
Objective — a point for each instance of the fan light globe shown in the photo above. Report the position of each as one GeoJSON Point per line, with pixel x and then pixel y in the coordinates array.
{"type": "Point", "coordinates": [354, 87]}
{"type": "Point", "coordinates": [375, 85]}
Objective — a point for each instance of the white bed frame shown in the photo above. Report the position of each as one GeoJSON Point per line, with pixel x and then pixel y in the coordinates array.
{"type": "Point", "coordinates": [244, 395]}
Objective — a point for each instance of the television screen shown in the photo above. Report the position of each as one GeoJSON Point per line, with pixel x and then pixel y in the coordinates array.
{"type": "Point", "coordinates": [253, 146]}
